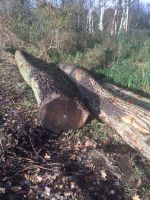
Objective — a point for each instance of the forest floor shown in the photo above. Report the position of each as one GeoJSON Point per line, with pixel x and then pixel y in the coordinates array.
{"type": "Point", "coordinates": [91, 163]}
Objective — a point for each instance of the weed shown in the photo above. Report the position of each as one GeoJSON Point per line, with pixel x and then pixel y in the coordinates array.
{"type": "Point", "coordinates": [130, 191]}
{"type": "Point", "coordinates": [138, 172]}
{"type": "Point", "coordinates": [94, 129]}
{"type": "Point", "coordinates": [145, 192]}
{"type": "Point", "coordinates": [28, 98]}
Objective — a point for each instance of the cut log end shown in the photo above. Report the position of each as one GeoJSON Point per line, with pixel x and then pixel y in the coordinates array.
{"type": "Point", "coordinates": [63, 114]}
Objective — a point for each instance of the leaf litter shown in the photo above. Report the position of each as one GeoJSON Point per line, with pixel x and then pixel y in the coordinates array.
{"type": "Point", "coordinates": [38, 164]}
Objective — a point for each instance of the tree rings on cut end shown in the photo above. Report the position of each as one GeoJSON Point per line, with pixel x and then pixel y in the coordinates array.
{"type": "Point", "coordinates": [62, 114]}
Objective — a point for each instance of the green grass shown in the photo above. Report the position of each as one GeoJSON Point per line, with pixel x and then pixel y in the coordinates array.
{"type": "Point", "coordinates": [129, 65]}
{"type": "Point", "coordinates": [94, 129]}
{"type": "Point", "coordinates": [27, 99]}
{"type": "Point", "coordinates": [129, 75]}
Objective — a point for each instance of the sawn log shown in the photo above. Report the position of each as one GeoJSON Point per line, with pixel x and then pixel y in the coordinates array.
{"type": "Point", "coordinates": [130, 120]}
{"type": "Point", "coordinates": [58, 112]}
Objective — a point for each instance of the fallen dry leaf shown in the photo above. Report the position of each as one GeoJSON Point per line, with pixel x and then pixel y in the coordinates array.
{"type": "Point", "coordinates": [39, 178]}
{"type": "Point", "coordinates": [16, 188]}
{"type": "Point", "coordinates": [47, 157]}
{"type": "Point", "coordinates": [103, 174]}
{"type": "Point", "coordinates": [135, 197]}
{"type": "Point", "coordinates": [2, 190]}
{"type": "Point", "coordinates": [47, 191]}
{"type": "Point", "coordinates": [67, 194]}
{"type": "Point", "coordinates": [72, 185]}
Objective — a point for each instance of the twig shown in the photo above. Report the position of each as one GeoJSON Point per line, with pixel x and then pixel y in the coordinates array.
{"type": "Point", "coordinates": [108, 164]}
{"type": "Point", "coordinates": [36, 166]}
{"type": "Point", "coordinates": [31, 161]}
{"type": "Point", "coordinates": [37, 153]}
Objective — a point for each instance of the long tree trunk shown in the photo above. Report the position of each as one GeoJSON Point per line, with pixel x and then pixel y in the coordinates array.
{"type": "Point", "coordinates": [127, 17]}
{"type": "Point", "coordinates": [128, 95]}
{"type": "Point", "coordinates": [101, 16]}
{"type": "Point", "coordinates": [90, 19]}
{"type": "Point", "coordinates": [124, 24]}
{"type": "Point", "coordinates": [130, 120]}
{"type": "Point", "coordinates": [58, 111]}
{"type": "Point", "coordinates": [123, 18]}
{"type": "Point", "coordinates": [114, 22]}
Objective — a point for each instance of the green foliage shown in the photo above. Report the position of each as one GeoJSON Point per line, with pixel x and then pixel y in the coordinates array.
{"type": "Point", "coordinates": [97, 130]}
{"type": "Point", "coordinates": [47, 30]}
{"type": "Point", "coordinates": [28, 99]}
{"type": "Point", "coordinates": [131, 64]}
{"type": "Point", "coordinates": [53, 36]}
{"type": "Point", "coordinates": [96, 57]}
{"type": "Point", "coordinates": [94, 128]}
{"type": "Point", "coordinates": [129, 75]}
{"type": "Point", "coordinates": [145, 192]}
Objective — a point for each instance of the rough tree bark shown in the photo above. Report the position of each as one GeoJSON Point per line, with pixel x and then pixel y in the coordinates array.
{"type": "Point", "coordinates": [127, 95]}
{"type": "Point", "coordinates": [58, 112]}
{"type": "Point", "coordinates": [130, 121]}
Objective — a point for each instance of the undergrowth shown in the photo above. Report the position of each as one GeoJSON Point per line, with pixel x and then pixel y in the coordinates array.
{"type": "Point", "coordinates": [126, 61]}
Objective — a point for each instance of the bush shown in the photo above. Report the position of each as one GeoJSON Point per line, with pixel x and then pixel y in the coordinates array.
{"type": "Point", "coordinates": [96, 57]}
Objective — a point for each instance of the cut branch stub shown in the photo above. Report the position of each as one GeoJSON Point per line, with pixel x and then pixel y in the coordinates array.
{"type": "Point", "coordinates": [58, 112]}
{"type": "Point", "coordinates": [130, 119]}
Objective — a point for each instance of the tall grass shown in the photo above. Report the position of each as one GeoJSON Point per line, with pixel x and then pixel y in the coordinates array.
{"type": "Point", "coordinates": [130, 66]}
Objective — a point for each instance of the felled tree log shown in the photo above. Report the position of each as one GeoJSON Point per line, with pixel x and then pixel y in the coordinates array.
{"type": "Point", "coordinates": [130, 120]}
{"type": "Point", "coordinates": [128, 95]}
{"type": "Point", "coordinates": [58, 112]}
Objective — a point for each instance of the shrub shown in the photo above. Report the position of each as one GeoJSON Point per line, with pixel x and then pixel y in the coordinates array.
{"type": "Point", "coordinates": [96, 57]}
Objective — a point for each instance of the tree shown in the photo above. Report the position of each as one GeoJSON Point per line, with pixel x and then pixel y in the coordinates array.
{"type": "Point", "coordinates": [101, 14]}
{"type": "Point", "coordinates": [90, 17]}
{"type": "Point", "coordinates": [114, 19]}
{"type": "Point", "coordinates": [124, 24]}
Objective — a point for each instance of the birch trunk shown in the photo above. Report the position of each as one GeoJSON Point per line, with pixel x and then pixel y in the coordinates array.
{"type": "Point", "coordinates": [123, 18]}
{"type": "Point", "coordinates": [90, 22]}
{"type": "Point", "coordinates": [127, 18]}
{"type": "Point", "coordinates": [102, 10]}
{"type": "Point", "coordinates": [114, 23]}
{"type": "Point", "coordinates": [124, 25]}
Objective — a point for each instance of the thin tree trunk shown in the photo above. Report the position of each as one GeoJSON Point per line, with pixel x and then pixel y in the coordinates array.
{"type": "Point", "coordinates": [58, 111]}
{"type": "Point", "coordinates": [127, 18]}
{"type": "Point", "coordinates": [130, 121]}
{"type": "Point", "coordinates": [90, 18]}
{"type": "Point", "coordinates": [102, 10]}
{"type": "Point", "coordinates": [123, 18]}
{"type": "Point", "coordinates": [114, 22]}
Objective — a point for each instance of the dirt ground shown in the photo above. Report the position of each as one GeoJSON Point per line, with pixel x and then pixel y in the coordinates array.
{"type": "Point", "coordinates": [35, 163]}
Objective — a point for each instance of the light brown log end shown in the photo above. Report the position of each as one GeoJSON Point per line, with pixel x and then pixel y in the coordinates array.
{"type": "Point", "coordinates": [63, 114]}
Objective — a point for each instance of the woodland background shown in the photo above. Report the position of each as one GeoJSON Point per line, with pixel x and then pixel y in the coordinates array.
{"type": "Point", "coordinates": [109, 38]}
